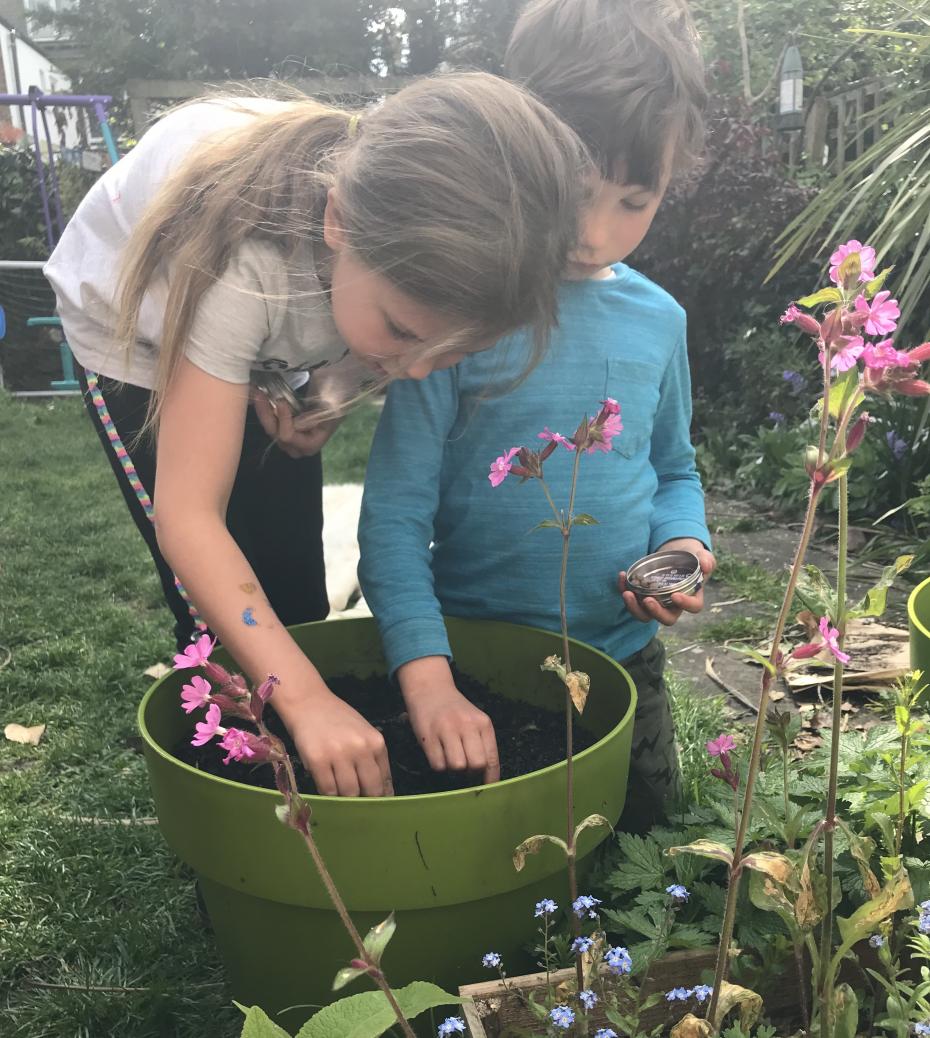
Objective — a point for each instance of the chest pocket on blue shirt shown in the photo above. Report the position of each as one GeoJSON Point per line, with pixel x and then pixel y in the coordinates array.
{"type": "Point", "coordinates": [634, 384]}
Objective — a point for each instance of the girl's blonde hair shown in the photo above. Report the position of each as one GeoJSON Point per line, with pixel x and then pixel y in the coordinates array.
{"type": "Point", "coordinates": [461, 189]}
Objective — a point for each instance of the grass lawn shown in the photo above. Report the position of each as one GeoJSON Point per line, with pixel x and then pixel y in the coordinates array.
{"type": "Point", "coordinates": [99, 930]}
{"type": "Point", "coordinates": [100, 935]}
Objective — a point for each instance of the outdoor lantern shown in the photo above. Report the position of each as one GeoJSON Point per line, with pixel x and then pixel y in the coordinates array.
{"type": "Point", "coordinates": [791, 95]}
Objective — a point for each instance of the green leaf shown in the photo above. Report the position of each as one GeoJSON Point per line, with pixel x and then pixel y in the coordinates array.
{"type": "Point", "coordinates": [346, 975]}
{"type": "Point", "coordinates": [642, 866]}
{"type": "Point", "coordinates": [547, 524]}
{"type": "Point", "coordinates": [583, 519]}
{"type": "Point", "coordinates": [377, 938]}
{"type": "Point", "coordinates": [259, 1025]}
{"type": "Point", "coordinates": [755, 655]}
{"type": "Point", "coordinates": [845, 1012]}
{"type": "Point", "coordinates": [875, 285]}
{"type": "Point", "coordinates": [815, 592]}
{"type": "Point", "coordinates": [875, 599]}
{"type": "Point", "coordinates": [825, 295]}
{"type": "Point", "coordinates": [533, 845]}
{"type": "Point", "coordinates": [843, 390]}
{"type": "Point", "coordinates": [369, 1014]}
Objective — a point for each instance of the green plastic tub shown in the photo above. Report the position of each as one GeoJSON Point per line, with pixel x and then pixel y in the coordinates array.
{"type": "Point", "coordinates": [918, 615]}
{"type": "Point", "coordinates": [441, 861]}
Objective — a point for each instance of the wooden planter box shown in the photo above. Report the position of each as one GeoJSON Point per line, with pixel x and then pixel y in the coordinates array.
{"type": "Point", "coordinates": [493, 1008]}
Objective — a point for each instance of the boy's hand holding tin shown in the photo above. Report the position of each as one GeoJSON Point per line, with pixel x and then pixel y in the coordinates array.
{"type": "Point", "coordinates": [647, 608]}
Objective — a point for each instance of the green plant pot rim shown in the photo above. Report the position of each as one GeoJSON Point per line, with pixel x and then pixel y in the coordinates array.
{"type": "Point", "coordinates": [359, 802]}
{"type": "Point", "coordinates": [918, 592]}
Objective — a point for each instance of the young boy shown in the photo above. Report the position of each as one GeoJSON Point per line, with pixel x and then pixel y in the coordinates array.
{"type": "Point", "coordinates": [435, 537]}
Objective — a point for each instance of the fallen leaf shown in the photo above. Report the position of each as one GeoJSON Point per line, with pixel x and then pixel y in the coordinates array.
{"type": "Point", "coordinates": [27, 736]}
{"type": "Point", "coordinates": [805, 742]}
{"type": "Point", "coordinates": [157, 671]}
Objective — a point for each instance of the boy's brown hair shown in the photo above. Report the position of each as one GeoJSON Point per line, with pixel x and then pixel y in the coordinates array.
{"type": "Point", "coordinates": [626, 75]}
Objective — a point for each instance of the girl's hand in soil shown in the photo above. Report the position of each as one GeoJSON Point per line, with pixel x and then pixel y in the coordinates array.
{"type": "Point", "coordinates": [344, 754]}
{"type": "Point", "coordinates": [455, 734]}
{"type": "Point", "coordinates": [649, 609]}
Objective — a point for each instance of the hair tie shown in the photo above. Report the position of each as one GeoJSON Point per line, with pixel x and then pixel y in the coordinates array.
{"type": "Point", "coordinates": [352, 128]}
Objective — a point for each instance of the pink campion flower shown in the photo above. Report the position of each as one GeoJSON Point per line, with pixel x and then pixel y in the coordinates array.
{"type": "Point", "coordinates": [196, 694]}
{"type": "Point", "coordinates": [604, 433]}
{"type": "Point", "coordinates": [884, 355]}
{"type": "Point", "coordinates": [205, 730]}
{"type": "Point", "coordinates": [846, 354]}
{"type": "Point", "coordinates": [500, 467]}
{"type": "Point", "coordinates": [857, 432]}
{"type": "Point", "coordinates": [807, 651]}
{"type": "Point", "coordinates": [196, 654]}
{"type": "Point", "coordinates": [804, 321]}
{"type": "Point", "coordinates": [554, 437]}
{"type": "Point", "coordinates": [881, 315]}
{"type": "Point", "coordinates": [241, 746]}
{"type": "Point", "coordinates": [722, 744]}
{"type": "Point", "coordinates": [236, 744]}
{"type": "Point", "coordinates": [866, 260]}
{"type": "Point", "coordinates": [831, 640]}
{"type": "Point", "coordinates": [610, 406]}
{"type": "Point", "coordinates": [899, 379]}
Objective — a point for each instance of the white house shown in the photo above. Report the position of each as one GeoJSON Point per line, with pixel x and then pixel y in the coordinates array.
{"type": "Point", "coordinates": [24, 64]}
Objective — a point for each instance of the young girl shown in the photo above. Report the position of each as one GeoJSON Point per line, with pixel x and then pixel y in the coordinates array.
{"type": "Point", "coordinates": [247, 237]}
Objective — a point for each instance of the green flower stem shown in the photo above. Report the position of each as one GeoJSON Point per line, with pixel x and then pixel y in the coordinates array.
{"type": "Point", "coordinates": [569, 731]}
{"type": "Point", "coordinates": [376, 974]}
{"type": "Point", "coordinates": [729, 916]}
{"type": "Point", "coordinates": [827, 976]}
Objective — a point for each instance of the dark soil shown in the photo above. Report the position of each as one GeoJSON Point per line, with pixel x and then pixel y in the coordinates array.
{"type": "Point", "coordinates": [527, 739]}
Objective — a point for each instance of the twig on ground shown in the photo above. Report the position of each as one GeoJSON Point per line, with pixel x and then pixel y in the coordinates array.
{"type": "Point", "coordinates": [9, 656]}
{"type": "Point", "coordinates": [685, 648]}
{"type": "Point", "coordinates": [90, 820]}
{"type": "Point", "coordinates": [729, 601]}
{"type": "Point", "coordinates": [729, 689]}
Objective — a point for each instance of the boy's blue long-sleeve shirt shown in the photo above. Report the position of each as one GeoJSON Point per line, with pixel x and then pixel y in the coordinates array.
{"type": "Point", "coordinates": [436, 538]}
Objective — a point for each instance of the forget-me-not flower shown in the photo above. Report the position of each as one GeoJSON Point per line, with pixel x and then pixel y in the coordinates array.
{"type": "Point", "coordinates": [492, 960]}
{"type": "Point", "coordinates": [562, 1016]}
{"type": "Point", "coordinates": [451, 1025]}
{"type": "Point", "coordinates": [545, 907]}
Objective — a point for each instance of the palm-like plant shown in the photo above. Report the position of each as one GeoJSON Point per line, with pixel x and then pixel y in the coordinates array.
{"type": "Point", "coordinates": [885, 192]}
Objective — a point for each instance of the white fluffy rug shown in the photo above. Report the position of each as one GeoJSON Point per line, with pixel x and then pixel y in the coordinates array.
{"type": "Point", "coordinates": [341, 506]}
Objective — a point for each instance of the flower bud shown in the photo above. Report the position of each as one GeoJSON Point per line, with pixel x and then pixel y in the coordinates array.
{"type": "Point", "coordinates": [811, 459]}
{"type": "Point", "coordinates": [831, 329]}
{"type": "Point", "coordinates": [857, 432]}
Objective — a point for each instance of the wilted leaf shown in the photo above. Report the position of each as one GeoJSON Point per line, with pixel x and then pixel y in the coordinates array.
{"type": "Point", "coordinates": [749, 1003]}
{"type": "Point", "coordinates": [27, 736]}
{"type": "Point", "coordinates": [895, 894]}
{"type": "Point", "coordinates": [815, 591]}
{"type": "Point", "coordinates": [591, 822]}
{"type": "Point", "coordinates": [861, 848]}
{"type": "Point", "coordinates": [770, 897]}
{"type": "Point", "coordinates": [777, 866]}
{"type": "Point", "coordinates": [704, 849]}
{"type": "Point", "coordinates": [691, 1026]}
{"type": "Point", "coordinates": [532, 845]}
{"type": "Point", "coordinates": [579, 685]}
{"type": "Point", "coordinates": [157, 671]}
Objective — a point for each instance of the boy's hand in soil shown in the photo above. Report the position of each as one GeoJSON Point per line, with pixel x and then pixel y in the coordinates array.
{"type": "Point", "coordinates": [455, 734]}
{"type": "Point", "coordinates": [649, 608]}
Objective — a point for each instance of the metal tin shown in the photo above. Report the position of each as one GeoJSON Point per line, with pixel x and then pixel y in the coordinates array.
{"type": "Point", "coordinates": [661, 566]}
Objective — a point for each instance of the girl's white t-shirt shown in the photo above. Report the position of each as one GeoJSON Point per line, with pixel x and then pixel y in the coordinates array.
{"type": "Point", "coordinates": [261, 313]}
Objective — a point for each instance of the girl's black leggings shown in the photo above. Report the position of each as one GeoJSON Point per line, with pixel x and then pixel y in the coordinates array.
{"type": "Point", "coordinates": [275, 511]}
